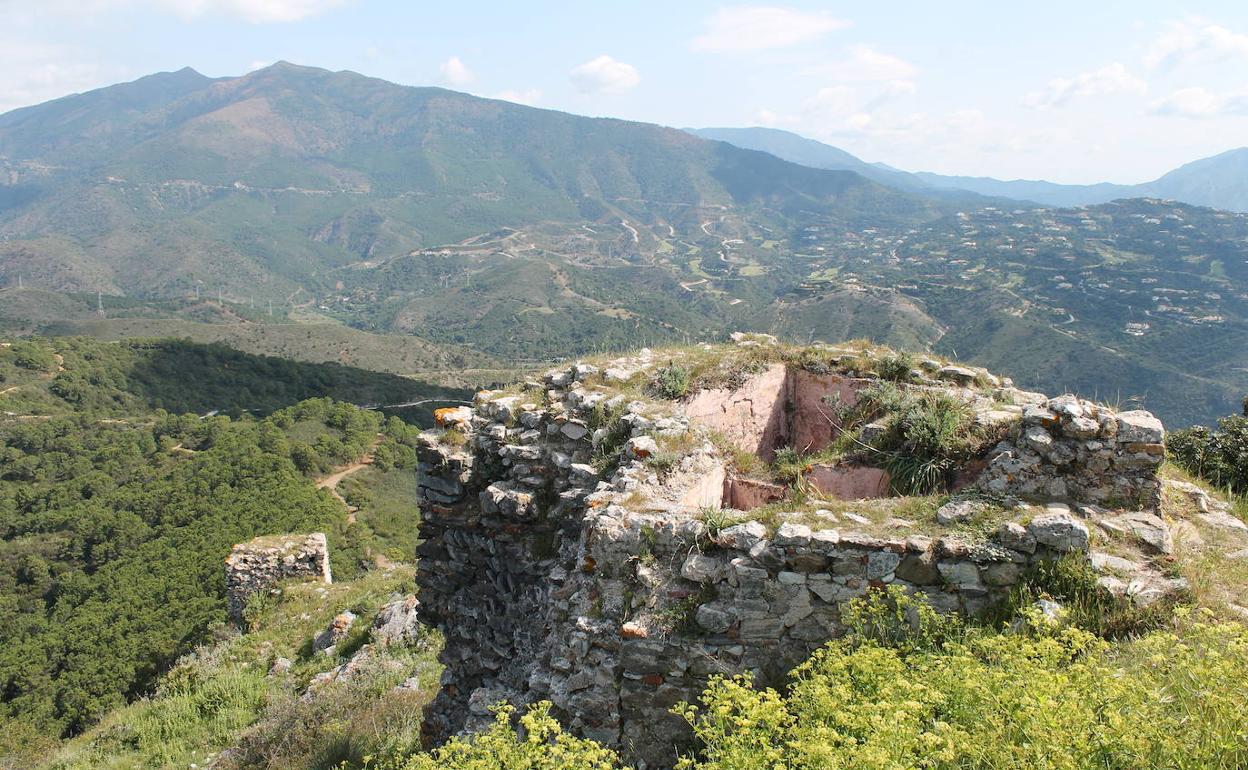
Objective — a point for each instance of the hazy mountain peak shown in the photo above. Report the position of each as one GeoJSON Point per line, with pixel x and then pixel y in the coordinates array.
{"type": "Point", "coordinates": [1220, 181]}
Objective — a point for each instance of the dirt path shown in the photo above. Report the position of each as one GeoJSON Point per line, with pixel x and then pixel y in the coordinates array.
{"type": "Point", "coordinates": [332, 481]}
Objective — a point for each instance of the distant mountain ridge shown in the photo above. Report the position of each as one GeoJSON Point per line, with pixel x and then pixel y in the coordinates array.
{"type": "Point", "coordinates": [267, 181]}
{"type": "Point", "coordinates": [1220, 181]}
{"type": "Point", "coordinates": [500, 232]}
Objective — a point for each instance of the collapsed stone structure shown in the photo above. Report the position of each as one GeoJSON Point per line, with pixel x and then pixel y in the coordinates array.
{"type": "Point", "coordinates": [260, 564]}
{"type": "Point", "coordinates": [574, 546]}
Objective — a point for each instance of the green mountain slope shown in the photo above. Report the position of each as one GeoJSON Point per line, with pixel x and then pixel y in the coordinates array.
{"type": "Point", "coordinates": [263, 183]}
{"type": "Point", "coordinates": [115, 515]}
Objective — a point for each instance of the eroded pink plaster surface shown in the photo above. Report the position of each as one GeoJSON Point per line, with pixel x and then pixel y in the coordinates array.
{"type": "Point", "coordinates": [753, 417]}
{"type": "Point", "coordinates": [814, 424]}
{"type": "Point", "coordinates": [849, 482]}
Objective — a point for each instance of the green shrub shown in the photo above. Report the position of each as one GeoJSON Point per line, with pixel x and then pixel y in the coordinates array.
{"type": "Point", "coordinates": [716, 519]}
{"type": "Point", "coordinates": [33, 356]}
{"type": "Point", "coordinates": [789, 464]}
{"type": "Point", "coordinates": [896, 367]}
{"type": "Point", "coordinates": [607, 449]}
{"type": "Point", "coordinates": [1073, 583]}
{"type": "Point", "coordinates": [928, 435]}
{"type": "Point", "coordinates": [541, 744]}
{"type": "Point", "coordinates": [672, 382]}
{"type": "Point", "coordinates": [981, 699]}
{"type": "Point", "coordinates": [1219, 457]}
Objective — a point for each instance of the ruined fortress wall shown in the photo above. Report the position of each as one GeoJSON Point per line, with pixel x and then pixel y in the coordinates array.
{"type": "Point", "coordinates": [260, 564]}
{"type": "Point", "coordinates": [560, 564]}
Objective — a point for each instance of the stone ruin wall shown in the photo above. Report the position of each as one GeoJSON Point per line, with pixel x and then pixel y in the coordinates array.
{"type": "Point", "coordinates": [608, 596]}
{"type": "Point", "coordinates": [260, 564]}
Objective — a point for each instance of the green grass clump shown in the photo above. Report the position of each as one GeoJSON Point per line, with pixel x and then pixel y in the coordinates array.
{"type": "Point", "coordinates": [539, 744]}
{"type": "Point", "coordinates": [672, 382]}
{"type": "Point", "coordinates": [1072, 583]}
{"type": "Point", "coordinates": [896, 367]}
{"type": "Point", "coordinates": [928, 436]}
{"type": "Point", "coordinates": [607, 449]}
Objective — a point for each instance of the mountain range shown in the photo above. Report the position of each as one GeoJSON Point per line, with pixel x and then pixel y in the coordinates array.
{"type": "Point", "coordinates": [499, 232]}
{"type": "Point", "coordinates": [1219, 182]}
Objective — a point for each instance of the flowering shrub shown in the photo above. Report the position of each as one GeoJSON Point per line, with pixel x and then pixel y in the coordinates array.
{"type": "Point", "coordinates": [1056, 698]}
{"type": "Point", "coordinates": [540, 745]}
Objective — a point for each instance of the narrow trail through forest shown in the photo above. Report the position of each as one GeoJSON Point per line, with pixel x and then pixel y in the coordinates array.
{"type": "Point", "coordinates": [332, 481]}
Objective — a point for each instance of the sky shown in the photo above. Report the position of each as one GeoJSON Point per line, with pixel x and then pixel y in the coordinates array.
{"type": "Point", "coordinates": [1073, 92]}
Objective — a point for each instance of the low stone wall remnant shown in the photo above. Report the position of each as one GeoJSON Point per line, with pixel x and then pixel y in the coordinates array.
{"type": "Point", "coordinates": [260, 564]}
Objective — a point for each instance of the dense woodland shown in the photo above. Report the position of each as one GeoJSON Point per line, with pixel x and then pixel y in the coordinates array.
{"type": "Point", "coordinates": [114, 519]}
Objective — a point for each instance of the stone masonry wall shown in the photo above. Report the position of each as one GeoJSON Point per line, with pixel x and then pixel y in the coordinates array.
{"type": "Point", "coordinates": [560, 564]}
{"type": "Point", "coordinates": [260, 564]}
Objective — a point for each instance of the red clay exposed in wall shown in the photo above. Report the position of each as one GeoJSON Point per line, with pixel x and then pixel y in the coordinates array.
{"type": "Point", "coordinates": [752, 417]}
{"type": "Point", "coordinates": [849, 482]}
{"type": "Point", "coordinates": [780, 408]}
{"type": "Point", "coordinates": [810, 428]}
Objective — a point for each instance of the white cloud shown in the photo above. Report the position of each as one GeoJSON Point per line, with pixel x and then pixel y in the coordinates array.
{"type": "Point", "coordinates": [252, 11]}
{"type": "Point", "coordinates": [37, 72]}
{"type": "Point", "coordinates": [1202, 103]}
{"type": "Point", "coordinates": [604, 75]}
{"type": "Point", "coordinates": [456, 73]}
{"type": "Point", "coordinates": [529, 96]}
{"type": "Point", "coordinates": [1112, 79]}
{"type": "Point", "coordinates": [761, 27]}
{"type": "Point", "coordinates": [864, 63]}
{"type": "Point", "coordinates": [774, 119]}
{"type": "Point", "coordinates": [1184, 40]}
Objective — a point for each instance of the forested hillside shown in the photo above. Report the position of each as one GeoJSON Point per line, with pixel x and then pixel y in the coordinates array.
{"type": "Point", "coordinates": [115, 514]}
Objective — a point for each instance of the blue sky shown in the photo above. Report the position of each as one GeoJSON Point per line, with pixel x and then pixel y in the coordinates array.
{"type": "Point", "coordinates": [1066, 91]}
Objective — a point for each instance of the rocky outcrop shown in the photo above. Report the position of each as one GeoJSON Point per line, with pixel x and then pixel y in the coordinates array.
{"type": "Point", "coordinates": [574, 548]}
{"type": "Point", "coordinates": [260, 564]}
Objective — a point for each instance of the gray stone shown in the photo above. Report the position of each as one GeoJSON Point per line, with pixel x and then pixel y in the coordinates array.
{"type": "Point", "coordinates": [1139, 427]}
{"type": "Point", "coordinates": [1059, 531]}
{"type": "Point", "coordinates": [397, 622]}
{"type": "Point", "coordinates": [702, 569]}
{"type": "Point", "coordinates": [574, 430]}
{"type": "Point", "coordinates": [1104, 562]}
{"type": "Point", "coordinates": [742, 537]}
{"type": "Point", "coordinates": [714, 618]}
{"type": "Point", "coordinates": [1016, 537]}
{"type": "Point", "coordinates": [1003, 574]}
{"type": "Point", "coordinates": [920, 569]}
{"type": "Point", "coordinates": [882, 563]}
{"type": "Point", "coordinates": [1148, 528]}
{"type": "Point", "coordinates": [337, 630]}
{"type": "Point", "coordinates": [959, 573]}
{"type": "Point", "coordinates": [792, 535]}
{"type": "Point", "coordinates": [825, 540]}
{"type": "Point", "coordinates": [958, 511]}
{"type": "Point", "coordinates": [791, 579]}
